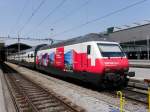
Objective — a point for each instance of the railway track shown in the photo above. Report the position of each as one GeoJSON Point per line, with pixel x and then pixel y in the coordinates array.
{"type": "Point", "coordinates": [134, 100]}
{"type": "Point", "coordinates": [30, 97]}
{"type": "Point", "coordinates": [136, 94]}
{"type": "Point", "coordinates": [133, 93]}
{"type": "Point", "coordinates": [137, 91]}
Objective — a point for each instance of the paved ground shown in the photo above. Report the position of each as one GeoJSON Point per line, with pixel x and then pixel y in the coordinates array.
{"type": "Point", "coordinates": [2, 102]}
{"type": "Point", "coordinates": [141, 73]}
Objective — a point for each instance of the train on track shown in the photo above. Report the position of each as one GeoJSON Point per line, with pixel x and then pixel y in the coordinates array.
{"type": "Point", "coordinates": [88, 58]}
{"type": "Point", "coordinates": [2, 55]}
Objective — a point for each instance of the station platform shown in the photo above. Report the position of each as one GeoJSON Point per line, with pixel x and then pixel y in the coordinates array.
{"type": "Point", "coordinates": [2, 101]}
{"type": "Point", "coordinates": [141, 73]}
{"type": "Point", "coordinates": [140, 63]}
{"type": "Point", "coordinates": [141, 69]}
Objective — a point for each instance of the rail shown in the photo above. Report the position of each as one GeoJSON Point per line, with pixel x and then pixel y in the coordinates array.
{"type": "Point", "coordinates": [28, 96]}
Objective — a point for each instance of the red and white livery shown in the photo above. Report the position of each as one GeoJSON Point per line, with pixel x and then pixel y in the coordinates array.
{"type": "Point", "coordinates": [87, 58]}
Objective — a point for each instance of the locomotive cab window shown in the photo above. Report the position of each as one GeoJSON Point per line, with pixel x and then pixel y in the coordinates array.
{"type": "Point", "coordinates": [89, 49]}
{"type": "Point", "coordinates": [110, 50]}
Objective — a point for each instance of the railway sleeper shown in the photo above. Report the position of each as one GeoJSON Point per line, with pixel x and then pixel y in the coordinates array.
{"type": "Point", "coordinates": [54, 110]}
{"type": "Point", "coordinates": [49, 104]}
{"type": "Point", "coordinates": [20, 99]}
{"type": "Point", "coordinates": [40, 99]}
{"type": "Point", "coordinates": [26, 110]}
{"type": "Point", "coordinates": [59, 109]}
{"type": "Point", "coordinates": [44, 102]}
{"type": "Point", "coordinates": [18, 95]}
{"type": "Point", "coordinates": [36, 90]}
{"type": "Point", "coordinates": [24, 105]}
{"type": "Point", "coordinates": [53, 107]}
{"type": "Point", "coordinates": [41, 95]}
{"type": "Point", "coordinates": [18, 91]}
{"type": "Point", "coordinates": [29, 87]}
{"type": "Point", "coordinates": [35, 93]}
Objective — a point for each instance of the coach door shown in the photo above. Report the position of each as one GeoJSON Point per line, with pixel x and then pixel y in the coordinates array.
{"type": "Point", "coordinates": [88, 57]}
{"type": "Point", "coordinates": [84, 61]}
{"type": "Point", "coordinates": [84, 57]}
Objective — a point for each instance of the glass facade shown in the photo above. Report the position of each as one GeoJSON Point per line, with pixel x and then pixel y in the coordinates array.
{"type": "Point", "coordinates": [137, 49]}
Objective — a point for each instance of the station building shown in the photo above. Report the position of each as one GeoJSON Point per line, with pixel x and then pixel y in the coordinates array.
{"type": "Point", "coordinates": [135, 41]}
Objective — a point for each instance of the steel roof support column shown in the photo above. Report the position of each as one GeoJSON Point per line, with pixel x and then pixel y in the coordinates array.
{"type": "Point", "coordinates": [147, 47]}
{"type": "Point", "coordinates": [18, 48]}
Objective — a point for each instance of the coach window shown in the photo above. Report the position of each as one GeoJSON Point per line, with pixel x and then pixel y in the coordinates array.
{"type": "Point", "coordinates": [89, 49]}
{"type": "Point", "coordinates": [31, 55]}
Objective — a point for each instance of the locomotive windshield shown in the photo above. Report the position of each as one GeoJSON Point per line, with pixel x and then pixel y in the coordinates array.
{"type": "Point", "coordinates": [110, 50]}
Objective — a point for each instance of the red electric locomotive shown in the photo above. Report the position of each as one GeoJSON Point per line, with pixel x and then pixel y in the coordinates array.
{"type": "Point", "coordinates": [88, 58]}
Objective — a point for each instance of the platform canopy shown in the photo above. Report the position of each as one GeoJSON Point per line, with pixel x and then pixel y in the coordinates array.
{"type": "Point", "coordinates": [13, 48]}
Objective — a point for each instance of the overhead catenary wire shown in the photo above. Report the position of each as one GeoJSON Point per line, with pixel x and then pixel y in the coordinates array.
{"type": "Point", "coordinates": [71, 12]}
{"type": "Point", "coordinates": [19, 16]}
{"type": "Point", "coordinates": [29, 38]}
{"type": "Point", "coordinates": [33, 13]}
{"type": "Point", "coordinates": [48, 15]}
{"type": "Point", "coordinates": [51, 12]}
{"type": "Point", "coordinates": [100, 18]}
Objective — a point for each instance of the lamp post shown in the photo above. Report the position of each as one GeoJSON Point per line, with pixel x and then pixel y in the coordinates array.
{"type": "Point", "coordinates": [52, 41]}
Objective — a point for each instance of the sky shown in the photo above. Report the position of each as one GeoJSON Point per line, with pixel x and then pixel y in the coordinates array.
{"type": "Point", "coordinates": [56, 18]}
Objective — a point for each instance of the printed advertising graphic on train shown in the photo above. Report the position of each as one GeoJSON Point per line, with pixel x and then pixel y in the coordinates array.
{"type": "Point", "coordinates": [69, 60]}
